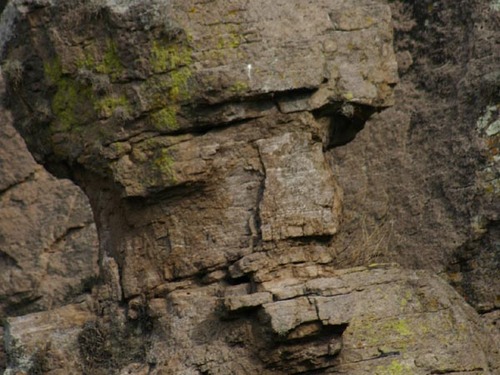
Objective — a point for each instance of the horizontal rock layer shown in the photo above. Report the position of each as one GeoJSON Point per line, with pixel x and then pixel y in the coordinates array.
{"type": "Point", "coordinates": [202, 133]}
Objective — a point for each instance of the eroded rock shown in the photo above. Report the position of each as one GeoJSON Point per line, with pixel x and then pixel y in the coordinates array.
{"type": "Point", "coordinates": [201, 132]}
{"type": "Point", "coordinates": [46, 342]}
{"type": "Point", "coordinates": [48, 242]}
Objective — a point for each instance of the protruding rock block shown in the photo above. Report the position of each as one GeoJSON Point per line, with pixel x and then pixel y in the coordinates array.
{"type": "Point", "coordinates": [301, 197]}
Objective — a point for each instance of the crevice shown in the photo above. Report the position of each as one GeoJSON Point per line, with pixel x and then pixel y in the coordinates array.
{"type": "Point", "coordinates": [325, 332]}
{"type": "Point", "coordinates": [450, 371]}
{"type": "Point", "coordinates": [68, 232]}
{"type": "Point", "coordinates": [28, 178]}
{"type": "Point", "coordinates": [202, 128]}
{"type": "Point", "coordinates": [295, 100]}
{"type": "Point", "coordinates": [224, 113]}
{"type": "Point", "coordinates": [345, 119]}
{"type": "Point", "coordinates": [168, 193]}
{"type": "Point", "coordinates": [260, 199]}
{"type": "Point", "coordinates": [384, 354]}
{"type": "Point", "coordinates": [8, 261]}
{"type": "Point", "coordinates": [198, 127]}
{"type": "Point", "coordinates": [245, 279]}
{"type": "Point", "coordinates": [289, 355]}
{"type": "Point", "coordinates": [323, 239]}
{"type": "Point", "coordinates": [24, 306]}
{"type": "Point", "coordinates": [488, 310]}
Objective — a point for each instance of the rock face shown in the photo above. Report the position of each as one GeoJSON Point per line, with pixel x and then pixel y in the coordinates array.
{"type": "Point", "coordinates": [206, 136]}
{"type": "Point", "coordinates": [48, 241]}
{"type": "Point", "coordinates": [420, 179]}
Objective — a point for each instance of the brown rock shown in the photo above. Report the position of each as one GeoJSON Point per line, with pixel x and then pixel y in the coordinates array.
{"type": "Point", "coordinates": [46, 341]}
{"type": "Point", "coordinates": [48, 242]}
{"type": "Point", "coordinates": [202, 133]}
{"type": "Point", "coordinates": [295, 171]}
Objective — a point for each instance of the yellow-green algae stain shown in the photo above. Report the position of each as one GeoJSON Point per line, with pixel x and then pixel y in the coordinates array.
{"type": "Point", "coordinates": [348, 95]}
{"type": "Point", "coordinates": [168, 89]}
{"type": "Point", "coordinates": [110, 64]}
{"type": "Point", "coordinates": [165, 118]}
{"type": "Point", "coordinates": [164, 163]}
{"type": "Point", "coordinates": [394, 368]}
{"type": "Point", "coordinates": [238, 87]}
{"type": "Point", "coordinates": [230, 40]}
{"type": "Point", "coordinates": [167, 56]}
{"type": "Point", "coordinates": [401, 327]}
{"type": "Point", "coordinates": [86, 62]}
{"type": "Point", "coordinates": [107, 105]}
{"type": "Point", "coordinates": [53, 70]}
{"type": "Point", "coordinates": [104, 61]}
{"type": "Point", "coordinates": [170, 62]}
{"type": "Point", "coordinates": [179, 89]}
{"type": "Point", "coordinates": [72, 102]}
{"type": "Point", "coordinates": [379, 332]}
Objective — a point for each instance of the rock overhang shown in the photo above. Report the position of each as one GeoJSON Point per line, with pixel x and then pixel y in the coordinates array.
{"type": "Point", "coordinates": [175, 68]}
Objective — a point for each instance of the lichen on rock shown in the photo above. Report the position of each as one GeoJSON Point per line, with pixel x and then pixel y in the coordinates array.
{"type": "Point", "coordinates": [207, 136]}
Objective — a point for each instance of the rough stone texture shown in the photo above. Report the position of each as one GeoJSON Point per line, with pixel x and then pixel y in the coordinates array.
{"type": "Point", "coordinates": [206, 134]}
{"type": "Point", "coordinates": [126, 108]}
{"type": "Point", "coordinates": [380, 320]}
{"type": "Point", "coordinates": [48, 242]}
{"type": "Point", "coordinates": [46, 340]}
{"type": "Point", "coordinates": [301, 197]}
{"type": "Point", "coordinates": [420, 180]}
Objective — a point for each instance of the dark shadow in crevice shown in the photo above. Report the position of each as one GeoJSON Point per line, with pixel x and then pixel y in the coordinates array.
{"type": "Point", "coordinates": [345, 121]}
{"type": "Point", "coordinates": [324, 239]}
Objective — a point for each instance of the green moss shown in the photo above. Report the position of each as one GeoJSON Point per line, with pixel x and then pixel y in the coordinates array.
{"type": "Point", "coordinates": [238, 87]}
{"type": "Point", "coordinates": [86, 62]}
{"type": "Point", "coordinates": [394, 368]}
{"type": "Point", "coordinates": [164, 163]}
{"type": "Point", "coordinates": [107, 105]}
{"type": "Point", "coordinates": [179, 89]}
{"type": "Point", "coordinates": [156, 90]}
{"type": "Point", "coordinates": [72, 102]}
{"type": "Point", "coordinates": [167, 89]}
{"type": "Point", "coordinates": [110, 64]}
{"type": "Point", "coordinates": [104, 61]}
{"type": "Point", "coordinates": [120, 148]}
{"type": "Point", "coordinates": [165, 118]}
{"type": "Point", "coordinates": [165, 57]}
{"type": "Point", "coordinates": [53, 71]}
{"type": "Point", "coordinates": [231, 40]}
{"type": "Point", "coordinates": [71, 105]}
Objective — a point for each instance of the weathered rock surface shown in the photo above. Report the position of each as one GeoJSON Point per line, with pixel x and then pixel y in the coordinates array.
{"type": "Point", "coordinates": [46, 341]}
{"type": "Point", "coordinates": [126, 107]}
{"type": "Point", "coordinates": [48, 242]}
{"type": "Point", "coordinates": [373, 320]}
{"type": "Point", "coordinates": [420, 179]}
{"type": "Point", "coordinates": [203, 133]}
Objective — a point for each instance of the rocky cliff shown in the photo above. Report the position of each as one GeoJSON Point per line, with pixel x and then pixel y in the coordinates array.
{"type": "Point", "coordinates": [282, 187]}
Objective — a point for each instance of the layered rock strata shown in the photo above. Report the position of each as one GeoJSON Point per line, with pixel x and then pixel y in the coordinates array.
{"type": "Point", "coordinates": [202, 132]}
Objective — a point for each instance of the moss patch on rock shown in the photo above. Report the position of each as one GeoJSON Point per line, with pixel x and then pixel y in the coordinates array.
{"type": "Point", "coordinates": [163, 163]}
{"type": "Point", "coordinates": [72, 102]}
{"type": "Point", "coordinates": [107, 106]}
{"type": "Point", "coordinates": [165, 118]}
{"type": "Point", "coordinates": [167, 56]}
